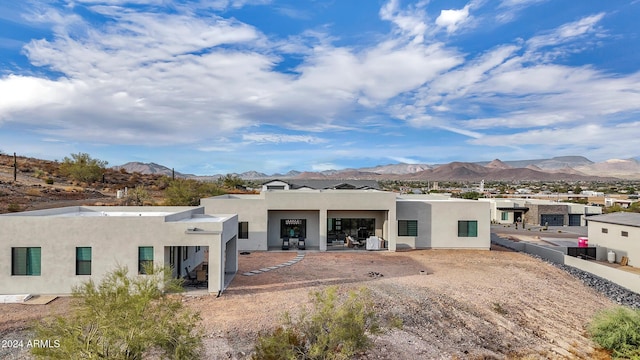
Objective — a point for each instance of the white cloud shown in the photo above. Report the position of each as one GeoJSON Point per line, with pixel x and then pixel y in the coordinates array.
{"type": "Point", "coordinates": [511, 8]}
{"type": "Point", "coordinates": [566, 32]}
{"type": "Point", "coordinates": [410, 22]}
{"type": "Point", "coordinates": [282, 138]}
{"type": "Point", "coordinates": [453, 19]}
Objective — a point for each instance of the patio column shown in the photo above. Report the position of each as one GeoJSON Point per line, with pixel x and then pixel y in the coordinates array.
{"type": "Point", "coordinates": [323, 229]}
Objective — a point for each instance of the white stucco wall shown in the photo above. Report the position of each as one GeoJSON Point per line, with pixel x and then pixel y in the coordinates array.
{"type": "Point", "coordinates": [264, 225]}
{"type": "Point", "coordinates": [438, 223]}
{"type": "Point", "coordinates": [114, 241]}
{"type": "Point", "coordinates": [613, 240]}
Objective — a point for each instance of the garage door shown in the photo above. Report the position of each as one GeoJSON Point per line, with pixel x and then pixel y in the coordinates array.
{"type": "Point", "coordinates": [552, 219]}
{"type": "Point", "coordinates": [574, 219]}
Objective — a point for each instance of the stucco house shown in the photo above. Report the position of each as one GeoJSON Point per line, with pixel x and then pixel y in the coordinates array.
{"type": "Point", "coordinates": [50, 251]}
{"type": "Point", "coordinates": [540, 212]}
{"type": "Point", "coordinates": [618, 232]}
{"type": "Point", "coordinates": [325, 217]}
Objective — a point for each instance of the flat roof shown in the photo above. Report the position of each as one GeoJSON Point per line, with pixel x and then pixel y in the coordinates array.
{"type": "Point", "coordinates": [84, 213]}
{"type": "Point", "coordinates": [203, 218]}
{"type": "Point", "coordinates": [618, 218]}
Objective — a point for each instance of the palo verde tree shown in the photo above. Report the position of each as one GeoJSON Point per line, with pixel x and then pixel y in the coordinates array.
{"type": "Point", "coordinates": [188, 192]}
{"type": "Point", "coordinates": [125, 317]}
{"type": "Point", "coordinates": [82, 167]}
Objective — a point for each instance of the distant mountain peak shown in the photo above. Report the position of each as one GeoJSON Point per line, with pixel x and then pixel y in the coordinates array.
{"type": "Point", "coordinates": [498, 164]}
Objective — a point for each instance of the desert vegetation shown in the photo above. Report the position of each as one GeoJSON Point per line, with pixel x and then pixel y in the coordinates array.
{"type": "Point", "coordinates": [124, 317]}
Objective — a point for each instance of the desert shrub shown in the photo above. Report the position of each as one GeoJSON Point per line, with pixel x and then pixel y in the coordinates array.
{"type": "Point", "coordinates": [137, 196]}
{"type": "Point", "coordinates": [617, 330]}
{"type": "Point", "coordinates": [49, 181]}
{"type": "Point", "coordinates": [13, 207]}
{"type": "Point", "coordinates": [38, 173]}
{"type": "Point", "coordinates": [283, 343]}
{"type": "Point", "coordinates": [82, 167]}
{"type": "Point", "coordinates": [336, 328]}
{"type": "Point", "coordinates": [125, 317]}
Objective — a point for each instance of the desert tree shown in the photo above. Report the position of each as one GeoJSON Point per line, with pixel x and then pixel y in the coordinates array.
{"type": "Point", "coordinates": [188, 192]}
{"type": "Point", "coordinates": [137, 196]}
{"type": "Point", "coordinates": [82, 167]}
{"type": "Point", "coordinates": [124, 317]}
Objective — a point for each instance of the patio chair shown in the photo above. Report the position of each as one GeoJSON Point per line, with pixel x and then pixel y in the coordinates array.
{"type": "Point", "coordinates": [351, 242]}
{"type": "Point", "coordinates": [201, 278]}
{"type": "Point", "coordinates": [191, 279]}
{"type": "Point", "coordinates": [301, 245]}
{"type": "Point", "coordinates": [285, 243]}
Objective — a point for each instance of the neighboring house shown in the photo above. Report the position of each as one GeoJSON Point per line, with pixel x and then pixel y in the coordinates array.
{"type": "Point", "coordinates": [324, 218]}
{"type": "Point", "coordinates": [320, 185]}
{"type": "Point", "coordinates": [618, 232]}
{"type": "Point", "coordinates": [50, 251]}
{"type": "Point", "coordinates": [540, 212]}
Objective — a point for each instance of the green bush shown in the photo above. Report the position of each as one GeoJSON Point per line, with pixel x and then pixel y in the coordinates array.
{"type": "Point", "coordinates": [38, 173]}
{"type": "Point", "coordinates": [82, 167]}
{"type": "Point", "coordinates": [124, 317]}
{"type": "Point", "coordinates": [617, 330]}
{"type": "Point", "coordinates": [337, 328]}
{"type": "Point", "coordinates": [49, 181]}
{"type": "Point", "coordinates": [188, 192]}
{"type": "Point", "coordinates": [13, 207]}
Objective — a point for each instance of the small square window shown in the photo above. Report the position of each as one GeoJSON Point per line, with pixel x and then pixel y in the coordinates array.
{"type": "Point", "coordinates": [25, 261]}
{"type": "Point", "coordinates": [468, 228]}
{"type": "Point", "coordinates": [407, 227]}
{"type": "Point", "coordinates": [605, 230]}
{"type": "Point", "coordinates": [625, 233]}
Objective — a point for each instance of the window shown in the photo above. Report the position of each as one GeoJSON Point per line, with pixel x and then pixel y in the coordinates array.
{"type": "Point", "coordinates": [504, 215]}
{"type": "Point", "coordinates": [25, 261]}
{"type": "Point", "coordinates": [293, 228]}
{"type": "Point", "coordinates": [145, 258]}
{"type": "Point", "coordinates": [624, 233]}
{"type": "Point", "coordinates": [243, 230]}
{"type": "Point", "coordinates": [605, 230]}
{"type": "Point", "coordinates": [83, 261]}
{"type": "Point", "coordinates": [407, 227]}
{"type": "Point", "coordinates": [468, 228]}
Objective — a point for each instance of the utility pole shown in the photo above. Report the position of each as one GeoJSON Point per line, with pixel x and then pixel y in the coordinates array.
{"type": "Point", "coordinates": [173, 174]}
{"type": "Point", "coordinates": [15, 168]}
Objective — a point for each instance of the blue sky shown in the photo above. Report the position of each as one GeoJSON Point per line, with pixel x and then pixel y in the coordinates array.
{"type": "Point", "coordinates": [224, 86]}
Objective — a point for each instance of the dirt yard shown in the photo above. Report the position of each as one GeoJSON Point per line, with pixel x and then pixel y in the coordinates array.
{"type": "Point", "coordinates": [468, 305]}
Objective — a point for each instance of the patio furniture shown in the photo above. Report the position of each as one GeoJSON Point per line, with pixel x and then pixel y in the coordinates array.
{"type": "Point", "coordinates": [301, 244]}
{"type": "Point", "coordinates": [190, 277]}
{"type": "Point", "coordinates": [201, 278]}
{"type": "Point", "coordinates": [285, 243]}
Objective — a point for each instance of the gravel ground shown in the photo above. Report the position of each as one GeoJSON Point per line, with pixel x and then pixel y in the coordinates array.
{"type": "Point", "coordinates": [454, 304]}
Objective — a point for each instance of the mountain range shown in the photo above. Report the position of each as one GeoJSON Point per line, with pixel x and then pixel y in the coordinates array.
{"type": "Point", "coordinates": [569, 168]}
